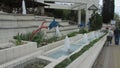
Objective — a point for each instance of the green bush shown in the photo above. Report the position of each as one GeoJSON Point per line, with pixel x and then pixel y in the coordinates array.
{"type": "Point", "coordinates": [82, 31]}
{"type": "Point", "coordinates": [63, 64]}
{"type": "Point", "coordinates": [76, 55]}
{"type": "Point", "coordinates": [26, 37]}
{"type": "Point", "coordinates": [52, 39]}
{"type": "Point", "coordinates": [72, 34]}
{"type": "Point", "coordinates": [95, 22]}
{"type": "Point", "coordinates": [38, 38]}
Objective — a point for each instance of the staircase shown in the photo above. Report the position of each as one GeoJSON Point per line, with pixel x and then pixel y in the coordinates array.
{"type": "Point", "coordinates": [11, 24]}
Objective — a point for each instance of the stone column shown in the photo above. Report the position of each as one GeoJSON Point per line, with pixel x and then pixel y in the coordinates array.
{"type": "Point", "coordinates": [87, 16]}
{"type": "Point", "coordinates": [79, 16]}
{"type": "Point", "coordinates": [42, 10]}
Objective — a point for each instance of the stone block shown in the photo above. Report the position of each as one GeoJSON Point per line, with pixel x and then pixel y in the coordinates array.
{"type": "Point", "coordinates": [2, 56]}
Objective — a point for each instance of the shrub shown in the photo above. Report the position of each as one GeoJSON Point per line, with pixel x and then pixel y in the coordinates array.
{"type": "Point", "coordinates": [38, 38]}
{"type": "Point", "coordinates": [26, 37]}
{"type": "Point", "coordinates": [72, 34]}
{"type": "Point", "coordinates": [95, 22]}
{"type": "Point", "coordinates": [63, 64]}
{"type": "Point", "coordinates": [82, 31]}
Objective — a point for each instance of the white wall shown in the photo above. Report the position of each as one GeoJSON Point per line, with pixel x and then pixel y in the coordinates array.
{"type": "Point", "coordinates": [15, 52]}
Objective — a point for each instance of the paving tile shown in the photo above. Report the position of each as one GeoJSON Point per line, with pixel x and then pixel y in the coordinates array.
{"type": "Point", "coordinates": [109, 58]}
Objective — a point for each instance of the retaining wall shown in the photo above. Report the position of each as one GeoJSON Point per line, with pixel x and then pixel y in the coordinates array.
{"type": "Point", "coordinates": [15, 52]}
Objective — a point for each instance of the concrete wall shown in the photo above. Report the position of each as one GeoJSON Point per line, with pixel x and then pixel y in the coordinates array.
{"type": "Point", "coordinates": [15, 52]}
{"type": "Point", "coordinates": [40, 53]}
{"type": "Point", "coordinates": [84, 57]}
{"type": "Point", "coordinates": [20, 60]}
{"type": "Point", "coordinates": [87, 59]}
{"type": "Point", "coordinates": [37, 53]}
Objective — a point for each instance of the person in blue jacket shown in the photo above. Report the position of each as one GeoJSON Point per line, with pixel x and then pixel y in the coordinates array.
{"type": "Point", "coordinates": [116, 35]}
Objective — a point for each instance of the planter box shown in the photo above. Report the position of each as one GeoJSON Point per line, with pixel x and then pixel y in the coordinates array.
{"type": "Point", "coordinates": [51, 46]}
{"type": "Point", "coordinates": [6, 45]}
{"type": "Point", "coordinates": [15, 52]}
{"type": "Point", "coordinates": [87, 59]}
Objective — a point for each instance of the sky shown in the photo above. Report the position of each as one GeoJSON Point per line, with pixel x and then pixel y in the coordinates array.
{"type": "Point", "coordinates": [117, 6]}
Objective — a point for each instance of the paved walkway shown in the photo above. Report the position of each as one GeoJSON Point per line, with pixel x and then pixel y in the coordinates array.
{"type": "Point", "coordinates": [109, 57]}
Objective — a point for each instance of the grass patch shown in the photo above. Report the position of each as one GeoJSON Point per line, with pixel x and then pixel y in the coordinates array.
{"type": "Point", "coordinates": [72, 34]}
{"type": "Point", "coordinates": [82, 31]}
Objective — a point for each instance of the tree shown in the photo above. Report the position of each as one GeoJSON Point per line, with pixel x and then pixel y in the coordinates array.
{"type": "Point", "coordinates": [83, 15]}
{"type": "Point", "coordinates": [108, 10]}
{"type": "Point", "coordinates": [95, 22]}
{"type": "Point", "coordinates": [116, 17]}
{"type": "Point", "coordinates": [73, 16]}
{"type": "Point", "coordinates": [65, 14]}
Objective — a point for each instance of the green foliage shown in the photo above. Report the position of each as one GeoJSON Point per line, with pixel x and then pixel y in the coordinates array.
{"type": "Point", "coordinates": [82, 31]}
{"type": "Point", "coordinates": [71, 15]}
{"type": "Point", "coordinates": [76, 55]}
{"type": "Point", "coordinates": [38, 37]}
{"type": "Point", "coordinates": [95, 22]}
{"type": "Point", "coordinates": [83, 15]}
{"type": "Point", "coordinates": [108, 10]}
{"type": "Point", "coordinates": [52, 39]}
{"type": "Point", "coordinates": [72, 34]}
{"type": "Point", "coordinates": [66, 62]}
{"type": "Point", "coordinates": [23, 36]}
{"type": "Point", "coordinates": [26, 37]}
{"type": "Point", "coordinates": [18, 40]}
{"type": "Point", "coordinates": [63, 64]}
{"type": "Point", "coordinates": [116, 17]}
{"type": "Point", "coordinates": [65, 14]}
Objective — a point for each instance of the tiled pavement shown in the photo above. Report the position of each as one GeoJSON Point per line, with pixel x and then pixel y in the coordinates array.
{"type": "Point", "coordinates": [109, 57]}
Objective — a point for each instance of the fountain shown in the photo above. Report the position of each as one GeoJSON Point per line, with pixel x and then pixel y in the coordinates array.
{"type": "Point", "coordinates": [23, 8]}
{"type": "Point", "coordinates": [65, 50]}
{"type": "Point", "coordinates": [69, 48]}
{"type": "Point", "coordinates": [58, 32]}
{"type": "Point", "coordinates": [97, 35]}
{"type": "Point", "coordinates": [66, 47]}
{"type": "Point", "coordinates": [93, 35]}
{"type": "Point", "coordinates": [85, 38]}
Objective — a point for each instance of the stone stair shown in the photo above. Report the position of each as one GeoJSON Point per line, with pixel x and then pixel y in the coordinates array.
{"type": "Point", "coordinates": [11, 24]}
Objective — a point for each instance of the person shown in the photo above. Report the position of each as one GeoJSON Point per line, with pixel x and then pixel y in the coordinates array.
{"type": "Point", "coordinates": [110, 36]}
{"type": "Point", "coordinates": [116, 35]}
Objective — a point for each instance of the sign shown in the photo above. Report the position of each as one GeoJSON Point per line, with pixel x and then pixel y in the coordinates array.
{"type": "Point", "coordinates": [93, 7]}
{"type": "Point", "coordinates": [113, 22]}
